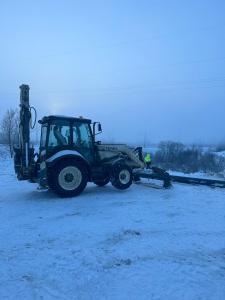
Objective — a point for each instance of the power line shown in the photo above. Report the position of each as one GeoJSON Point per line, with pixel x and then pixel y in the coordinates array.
{"type": "Point", "coordinates": [199, 84]}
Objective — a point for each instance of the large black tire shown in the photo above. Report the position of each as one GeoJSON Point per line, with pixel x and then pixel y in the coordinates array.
{"type": "Point", "coordinates": [68, 178]}
{"type": "Point", "coordinates": [101, 182]}
{"type": "Point", "coordinates": [121, 177]}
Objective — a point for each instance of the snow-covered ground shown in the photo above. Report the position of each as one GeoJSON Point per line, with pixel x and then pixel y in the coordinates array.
{"type": "Point", "coordinates": [142, 243]}
{"type": "Point", "coordinates": [220, 153]}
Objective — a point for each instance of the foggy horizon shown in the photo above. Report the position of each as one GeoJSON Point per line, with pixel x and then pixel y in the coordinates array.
{"type": "Point", "coordinates": [148, 72]}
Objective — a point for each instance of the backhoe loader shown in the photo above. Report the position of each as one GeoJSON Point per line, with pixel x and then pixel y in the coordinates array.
{"type": "Point", "coordinates": [69, 156]}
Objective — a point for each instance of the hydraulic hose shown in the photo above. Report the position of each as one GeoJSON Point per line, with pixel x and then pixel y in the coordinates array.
{"type": "Point", "coordinates": [32, 124]}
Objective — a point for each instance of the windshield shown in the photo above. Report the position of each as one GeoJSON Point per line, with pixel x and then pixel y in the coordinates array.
{"type": "Point", "coordinates": [82, 135]}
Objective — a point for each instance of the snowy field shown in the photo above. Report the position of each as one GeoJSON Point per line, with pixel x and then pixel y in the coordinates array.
{"type": "Point", "coordinates": [142, 243]}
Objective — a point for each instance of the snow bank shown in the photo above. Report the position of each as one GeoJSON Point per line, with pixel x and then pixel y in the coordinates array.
{"type": "Point", "coordinates": [221, 153]}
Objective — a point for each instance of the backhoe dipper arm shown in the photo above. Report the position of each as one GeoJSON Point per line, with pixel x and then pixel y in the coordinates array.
{"type": "Point", "coordinates": [24, 125]}
{"type": "Point", "coordinates": [23, 159]}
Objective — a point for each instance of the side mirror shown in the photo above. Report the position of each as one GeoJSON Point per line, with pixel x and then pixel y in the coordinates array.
{"type": "Point", "coordinates": [99, 127]}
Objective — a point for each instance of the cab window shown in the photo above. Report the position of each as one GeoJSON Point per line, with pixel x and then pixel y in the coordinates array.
{"type": "Point", "coordinates": [82, 135]}
{"type": "Point", "coordinates": [59, 134]}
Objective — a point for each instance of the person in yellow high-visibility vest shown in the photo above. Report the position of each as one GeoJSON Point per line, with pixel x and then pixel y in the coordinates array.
{"type": "Point", "coordinates": [148, 160]}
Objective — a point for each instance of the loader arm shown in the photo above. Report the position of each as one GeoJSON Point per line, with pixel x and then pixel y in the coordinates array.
{"type": "Point", "coordinates": [107, 151]}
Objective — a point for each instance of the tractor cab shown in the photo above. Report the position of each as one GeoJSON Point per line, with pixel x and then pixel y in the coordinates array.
{"type": "Point", "coordinates": [60, 133]}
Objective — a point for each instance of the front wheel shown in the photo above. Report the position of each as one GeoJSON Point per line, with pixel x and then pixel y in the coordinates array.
{"type": "Point", "coordinates": [121, 177]}
{"type": "Point", "coordinates": [69, 178]}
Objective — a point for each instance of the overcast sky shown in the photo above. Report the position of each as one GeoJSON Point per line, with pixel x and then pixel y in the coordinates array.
{"type": "Point", "coordinates": [148, 70]}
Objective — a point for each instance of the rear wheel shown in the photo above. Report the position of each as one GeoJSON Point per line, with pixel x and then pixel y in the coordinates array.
{"type": "Point", "coordinates": [69, 178]}
{"type": "Point", "coordinates": [121, 176]}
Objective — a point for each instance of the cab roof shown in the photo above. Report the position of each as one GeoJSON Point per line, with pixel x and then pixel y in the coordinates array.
{"type": "Point", "coordinates": [50, 118]}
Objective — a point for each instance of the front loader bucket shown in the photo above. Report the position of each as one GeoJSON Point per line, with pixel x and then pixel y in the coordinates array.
{"type": "Point", "coordinates": [153, 173]}
{"type": "Point", "coordinates": [160, 174]}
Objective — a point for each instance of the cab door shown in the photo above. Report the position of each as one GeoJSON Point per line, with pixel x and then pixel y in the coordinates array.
{"type": "Point", "coordinates": [82, 140]}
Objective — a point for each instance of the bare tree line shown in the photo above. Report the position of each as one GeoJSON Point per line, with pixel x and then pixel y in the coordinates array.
{"type": "Point", "coordinates": [9, 129]}
{"type": "Point", "coordinates": [188, 159]}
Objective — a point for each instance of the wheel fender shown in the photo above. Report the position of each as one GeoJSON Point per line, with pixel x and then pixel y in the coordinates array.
{"type": "Point", "coordinates": [63, 154]}
{"type": "Point", "coordinates": [115, 163]}
{"type": "Point", "coordinates": [119, 160]}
